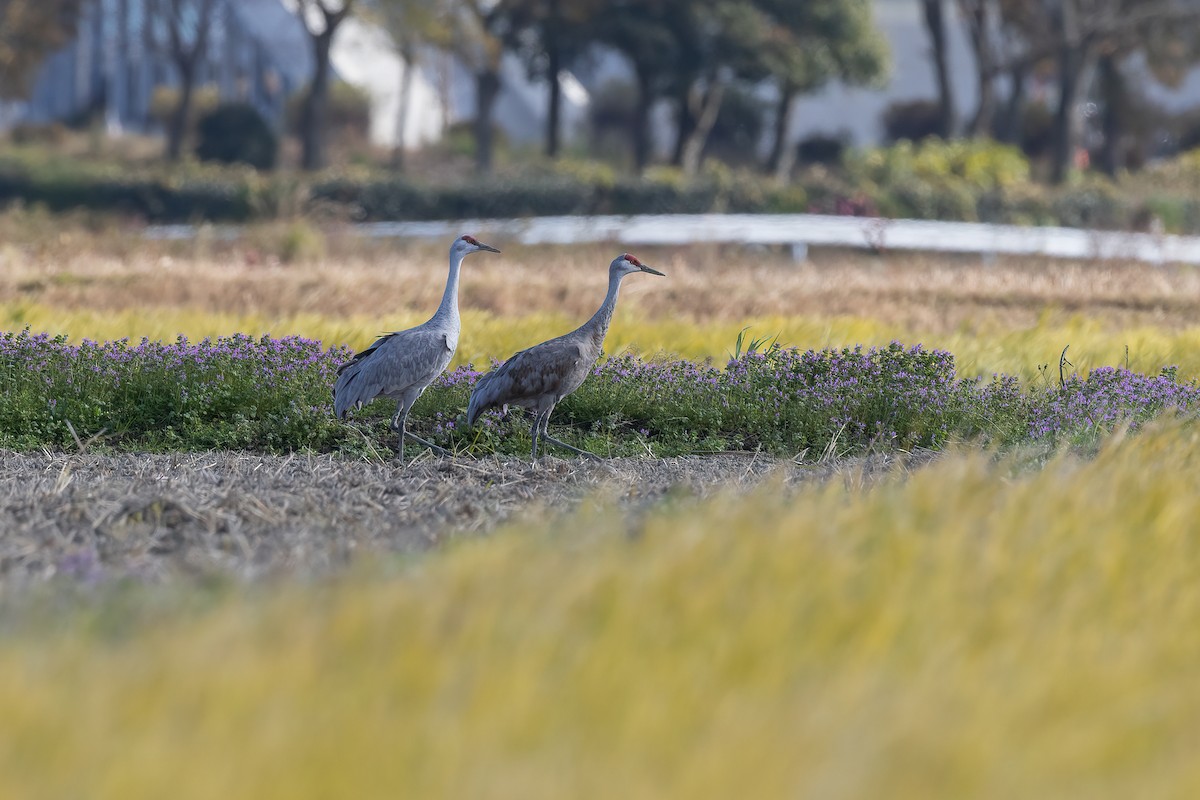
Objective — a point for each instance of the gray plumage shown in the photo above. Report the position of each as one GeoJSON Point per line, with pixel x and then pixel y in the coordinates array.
{"type": "Point", "coordinates": [538, 378]}
{"type": "Point", "coordinates": [400, 365]}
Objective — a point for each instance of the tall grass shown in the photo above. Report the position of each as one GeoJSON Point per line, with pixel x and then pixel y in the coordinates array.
{"type": "Point", "coordinates": [981, 629]}
{"type": "Point", "coordinates": [1030, 353]}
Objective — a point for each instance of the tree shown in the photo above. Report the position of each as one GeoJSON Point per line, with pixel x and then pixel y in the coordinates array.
{"type": "Point", "coordinates": [1077, 35]}
{"type": "Point", "coordinates": [935, 23]}
{"type": "Point", "coordinates": [1019, 33]}
{"type": "Point", "coordinates": [29, 31]}
{"type": "Point", "coordinates": [411, 24]}
{"type": "Point", "coordinates": [321, 19]}
{"type": "Point", "coordinates": [543, 33]}
{"type": "Point", "coordinates": [479, 29]}
{"type": "Point", "coordinates": [645, 32]}
{"type": "Point", "coordinates": [181, 29]}
{"type": "Point", "coordinates": [1085, 30]}
{"type": "Point", "coordinates": [1170, 51]}
{"type": "Point", "coordinates": [978, 16]}
{"type": "Point", "coordinates": [720, 42]}
{"type": "Point", "coordinates": [811, 44]}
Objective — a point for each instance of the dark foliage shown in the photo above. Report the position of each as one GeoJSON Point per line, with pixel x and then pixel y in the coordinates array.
{"type": "Point", "coordinates": [236, 133]}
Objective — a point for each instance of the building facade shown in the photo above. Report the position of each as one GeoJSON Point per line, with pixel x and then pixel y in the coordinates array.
{"type": "Point", "coordinates": [257, 53]}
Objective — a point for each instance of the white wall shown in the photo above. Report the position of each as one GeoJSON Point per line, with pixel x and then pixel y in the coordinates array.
{"type": "Point", "coordinates": [363, 56]}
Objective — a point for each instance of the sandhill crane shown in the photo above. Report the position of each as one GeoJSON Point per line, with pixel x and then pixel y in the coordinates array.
{"type": "Point", "coordinates": [544, 374]}
{"type": "Point", "coordinates": [400, 365]}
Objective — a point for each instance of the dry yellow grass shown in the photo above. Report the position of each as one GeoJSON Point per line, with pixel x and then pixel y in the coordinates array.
{"type": "Point", "coordinates": [1013, 317]}
{"type": "Point", "coordinates": [704, 284]}
{"type": "Point", "coordinates": [1016, 351]}
{"type": "Point", "coordinates": [969, 631]}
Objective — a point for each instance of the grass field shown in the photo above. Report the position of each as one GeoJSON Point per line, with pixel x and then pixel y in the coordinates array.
{"type": "Point", "coordinates": [972, 623]}
{"type": "Point", "coordinates": [1011, 317]}
{"type": "Point", "coordinates": [977, 629]}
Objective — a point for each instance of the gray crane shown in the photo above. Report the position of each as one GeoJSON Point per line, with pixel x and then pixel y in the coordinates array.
{"type": "Point", "coordinates": [400, 365]}
{"type": "Point", "coordinates": [544, 374]}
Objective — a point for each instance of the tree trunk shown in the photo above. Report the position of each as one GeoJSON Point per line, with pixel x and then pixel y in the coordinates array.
{"type": "Point", "coordinates": [487, 87]}
{"type": "Point", "coordinates": [1064, 142]}
{"type": "Point", "coordinates": [177, 126]}
{"type": "Point", "coordinates": [554, 100]}
{"type": "Point", "coordinates": [640, 134]}
{"type": "Point", "coordinates": [312, 114]}
{"type": "Point", "coordinates": [976, 14]}
{"type": "Point", "coordinates": [551, 40]}
{"type": "Point", "coordinates": [408, 60]}
{"type": "Point", "coordinates": [710, 106]}
{"type": "Point", "coordinates": [936, 23]}
{"type": "Point", "coordinates": [1071, 59]}
{"type": "Point", "coordinates": [783, 153]}
{"type": "Point", "coordinates": [1112, 87]}
{"type": "Point", "coordinates": [1009, 130]}
{"type": "Point", "coordinates": [685, 124]}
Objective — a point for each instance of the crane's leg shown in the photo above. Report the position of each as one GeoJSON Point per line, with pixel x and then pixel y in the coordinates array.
{"type": "Point", "coordinates": [441, 451]}
{"type": "Point", "coordinates": [535, 431]}
{"type": "Point", "coordinates": [545, 421]}
{"type": "Point", "coordinates": [398, 425]}
{"type": "Point", "coordinates": [399, 419]}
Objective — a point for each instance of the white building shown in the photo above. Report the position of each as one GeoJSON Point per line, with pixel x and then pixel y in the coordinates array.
{"type": "Point", "coordinates": [442, 92]}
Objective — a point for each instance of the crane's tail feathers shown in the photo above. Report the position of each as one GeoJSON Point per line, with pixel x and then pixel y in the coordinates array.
{"type": "Point", "coordinates": [474, 409]}
{"type": "Point", "coordinates": [349, 392]}
{"type": "Point", "coordinates": [483, 397]}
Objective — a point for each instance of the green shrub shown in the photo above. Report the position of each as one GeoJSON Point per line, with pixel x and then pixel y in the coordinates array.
{"type": "Point", "coordinates": [347, 110]}
{"type": "Point", "coordinates": [981, 163]}
{"type": "Point", "coordinates": [299, 241]}
{"type": "Point", "coordinates": [822, 148]}
{"type": "Point", "coordinates": [165, 99]}
{"type": "Point", "coordinates": [236, 133]}
{"type": "Point", "coordinates": [52, 133]}
{"type": "Point", "coordinates": [912, 120]}
{"type": "Point", "coordinates": [1094, 204]}
{"type": "Point", "coordinates": [1037, 130]}
{"type": "Point", "coordinates": [153, 195]}
{"type": "Point", "coordinates": [930, 180]}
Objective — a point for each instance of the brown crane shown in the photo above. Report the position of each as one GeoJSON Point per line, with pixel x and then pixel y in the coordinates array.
{"type": "Point", "coordinates": [538, 378]}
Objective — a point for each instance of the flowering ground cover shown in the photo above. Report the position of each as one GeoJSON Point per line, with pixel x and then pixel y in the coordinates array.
{"type": "Point", "coordinates": [273, 395]}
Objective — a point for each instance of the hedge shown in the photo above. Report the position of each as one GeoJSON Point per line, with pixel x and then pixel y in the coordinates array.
{"type": "Point", "coordinates": [968, 181]}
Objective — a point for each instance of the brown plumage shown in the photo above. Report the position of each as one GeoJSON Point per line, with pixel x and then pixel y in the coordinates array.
{"type": "Point", "coordinates": [538, 378]}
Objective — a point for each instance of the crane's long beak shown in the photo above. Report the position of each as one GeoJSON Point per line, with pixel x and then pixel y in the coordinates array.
{"type": "Point", "coordinates": [488, 247]}
{"type": "Point", "coordinates": [651, 270]}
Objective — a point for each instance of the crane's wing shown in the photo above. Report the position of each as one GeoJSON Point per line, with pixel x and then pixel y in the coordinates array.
{"type": "Point", "coordinates": [393, 364]}
{"type": "Point", "coordinates": [544, 370]}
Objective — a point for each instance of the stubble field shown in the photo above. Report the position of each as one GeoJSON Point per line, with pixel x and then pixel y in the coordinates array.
{"type": "Point", "coordinates": [958, 621]}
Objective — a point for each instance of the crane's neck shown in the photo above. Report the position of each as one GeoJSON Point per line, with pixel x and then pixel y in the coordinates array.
{"type": "Point", "coordinates": [598, 324]}
{"type": "Point", "coordinates": [448, 310]}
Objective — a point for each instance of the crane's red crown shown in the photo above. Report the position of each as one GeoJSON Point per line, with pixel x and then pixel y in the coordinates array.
{"type": "Point", "coordinates": [471, 240]}
{"type": "Point", "coordinates": [632, 259]}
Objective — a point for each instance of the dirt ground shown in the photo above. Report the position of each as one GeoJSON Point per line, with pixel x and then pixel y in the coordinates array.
{"type": "Point", "coordinates": [158, 517]}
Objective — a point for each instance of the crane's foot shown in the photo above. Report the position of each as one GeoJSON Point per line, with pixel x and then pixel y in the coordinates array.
{"type": "Point", "coordinates": [441, 451]}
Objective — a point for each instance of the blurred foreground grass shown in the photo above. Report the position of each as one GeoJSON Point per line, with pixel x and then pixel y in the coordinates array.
{"type": "Point", "coordinates": [1019, 351]}
{"type": "Point", "coordinates": [978, 628]}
